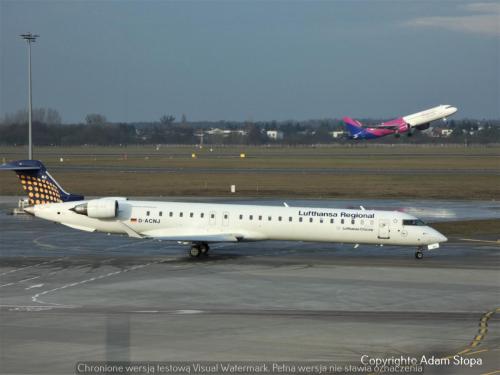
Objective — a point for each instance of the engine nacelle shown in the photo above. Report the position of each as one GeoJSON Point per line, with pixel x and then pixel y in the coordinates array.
{"type": "Point", "coordinates": [423, 126]}
{"type": "Point", "coordinates": [98, 208]}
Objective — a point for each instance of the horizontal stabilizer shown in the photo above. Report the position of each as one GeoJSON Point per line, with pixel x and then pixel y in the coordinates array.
{"type": "Point", "coordinates": [15, 166]}
{"type": "Point", "coordinates": [79, 227]}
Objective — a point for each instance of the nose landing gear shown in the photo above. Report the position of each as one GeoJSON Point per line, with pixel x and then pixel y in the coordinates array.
{"type": "Point", "coordinates": [419, 253]}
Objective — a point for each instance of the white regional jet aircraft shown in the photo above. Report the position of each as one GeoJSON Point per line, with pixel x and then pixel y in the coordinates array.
{"type": "Point", "coordinates": [200, 224]}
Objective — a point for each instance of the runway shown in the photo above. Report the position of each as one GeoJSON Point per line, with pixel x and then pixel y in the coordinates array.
{"type": "Point", "coordinates": [268, 153]}
{"type": "Point", "coordinates": [383, 170]}
{"type": "Point", "coordinates": [69, 296]}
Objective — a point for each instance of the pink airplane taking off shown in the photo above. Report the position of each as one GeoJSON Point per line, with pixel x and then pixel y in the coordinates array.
{"type": "Point", "coordinates": [420, 120]}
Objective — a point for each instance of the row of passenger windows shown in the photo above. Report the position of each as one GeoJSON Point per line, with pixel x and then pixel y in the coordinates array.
{"type": "Point", "coordinates": [261, 218]}
{"type": "Point", "coordinates": [181, 214]}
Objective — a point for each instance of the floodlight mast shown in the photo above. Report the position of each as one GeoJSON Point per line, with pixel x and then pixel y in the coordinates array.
{"type": "Point", "coordinates": [30, 38]}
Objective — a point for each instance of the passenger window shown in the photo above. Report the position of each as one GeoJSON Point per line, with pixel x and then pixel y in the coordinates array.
{"type": "Point", "coordinates": [300, 220]}
{"type": "Point", "coordinates": [181, 214]}
{"type": "Point", "coordinates": [279, 218]}
{"type": "Point", "coordinates": [160, 213]}
{"type": "Point", "coordinates": [321, 221]}
{"type": "Point", "coordinates": [202, 215]}
{"type": "Point", "coordinates": [241, 217]}
{"type": "Point", "coordinates": [170, 214]}
{"type": "Point", "coordinates": [331, 221]}
{"type": "Point", "coordinates": [147, 213]}
{"type": "Point", "coordinates": [212, 216]}
{"type": "Point", "coordinates": [269, 218]}
{"type": "Point", "coordinates": [225, 216]}
{"type": "Point", "coordinates": [250, 217]}
{"type": "Point", "coordinates": [260, 217]}
{"type": "Point", "coordinates": [310, 219]}
{"type": "Point", "coordinates": [290, 218]}
{"type": "Point", "coordinates": [191, 214]}
{"type": "Point", "coordinates": [352, 221]}
{"type": "Point", "coordinates": [342, 221]}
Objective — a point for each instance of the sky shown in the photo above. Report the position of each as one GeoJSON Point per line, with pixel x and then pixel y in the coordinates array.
{"type": "Point", "coordinates": [251, 60]}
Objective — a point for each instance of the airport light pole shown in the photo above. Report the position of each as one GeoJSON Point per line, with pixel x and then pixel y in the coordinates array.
{"type": "Point", "coordinates": [30, 38]}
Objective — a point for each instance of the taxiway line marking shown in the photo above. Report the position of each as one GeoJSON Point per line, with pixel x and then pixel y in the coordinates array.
{"type": "Point", "coordinates": [29, 278]}
{"type": "Point", "coordinates": [36, 297]}
{"type": "Point", "coordinates": [37, 242]}
{"type": "Point", "coordinates": [477, 351]}
{"type": "Point", "coordinates": [33, 265]}
{"type": "Point", "coordinates": [491, 373]}
{"type": "Point", "coordinates": [20, 281]}
{"type": "Point", "coordinates": [34, 286]}
{"type": "Point", "coordinates": [479, 337]}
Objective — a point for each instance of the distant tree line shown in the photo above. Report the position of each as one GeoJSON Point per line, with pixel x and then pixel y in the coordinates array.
{"type": "Point", "coordinates": [96, 130]}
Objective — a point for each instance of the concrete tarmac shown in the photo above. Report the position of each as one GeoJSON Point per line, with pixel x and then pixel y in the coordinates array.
{"type": "Point", "coordinates": [69, 296]}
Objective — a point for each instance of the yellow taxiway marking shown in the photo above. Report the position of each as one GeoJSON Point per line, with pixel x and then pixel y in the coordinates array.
{"type": "Point", "coordinates": [491, 373]}
{"type": "Point", "coordinates": [476, 352]}
{"type": "Point", "coordinates": [482, 332]}
{"type": "Point", "coordinates": [497, 242]}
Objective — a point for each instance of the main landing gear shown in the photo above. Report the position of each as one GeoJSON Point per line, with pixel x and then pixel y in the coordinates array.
{"type": "Point", "coordinates": [198, 249]}
{"type": "Point", "coordinates": [419, 253]}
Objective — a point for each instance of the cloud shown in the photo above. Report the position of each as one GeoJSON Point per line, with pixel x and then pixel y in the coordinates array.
{"type": "Point", "coordinates": [487, 22]}
{"type": "Point", "coordinates": [483, 7]}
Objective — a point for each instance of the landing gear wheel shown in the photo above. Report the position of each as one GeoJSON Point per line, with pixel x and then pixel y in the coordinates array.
{"type": "Point", "coordinates": [419, 254]}
{"type": "Point", "coordinates": [204, 248]}
{"type": "Point", "coordinates": [195, 251]}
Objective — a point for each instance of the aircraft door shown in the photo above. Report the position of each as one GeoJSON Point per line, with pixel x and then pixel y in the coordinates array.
{"type": "Point", "coordinates": [225, 219]}
{"type": "Point", "coordinates": [384, 229]}
{"type": "Point", "coordinates": [213, 218]}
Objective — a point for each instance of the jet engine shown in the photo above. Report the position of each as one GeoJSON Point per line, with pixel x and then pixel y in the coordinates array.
{"type": "Point", "coordinates": [98, 208]}
{"type": "Point", "coordinates": [423, 126]}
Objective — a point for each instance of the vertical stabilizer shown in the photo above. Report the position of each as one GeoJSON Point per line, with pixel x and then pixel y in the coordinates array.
{"type": "Point", "coordinates": [354, 127]}
{"type": "Point", "coordinates": [37, 182]}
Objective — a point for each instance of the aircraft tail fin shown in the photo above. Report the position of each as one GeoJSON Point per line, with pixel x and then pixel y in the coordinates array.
{"type": "Point", "coordinates": [353, 126]}
{"type": "Point", "coordinates": [37, 182]}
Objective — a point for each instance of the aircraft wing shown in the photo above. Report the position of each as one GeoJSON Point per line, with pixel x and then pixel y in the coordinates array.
{"type": "Point", "coordinates": [382, 126]}
{"type": "Point", "coordinates": [209, 238]}
{"type": "Point", "coordinates": [183, 234]}
{"type": "Point", "coordinates": [395, 124]}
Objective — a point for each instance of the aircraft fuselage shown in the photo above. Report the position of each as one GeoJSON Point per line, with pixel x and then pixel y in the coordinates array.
{"type": "Point", "coordinates": [185, 221]}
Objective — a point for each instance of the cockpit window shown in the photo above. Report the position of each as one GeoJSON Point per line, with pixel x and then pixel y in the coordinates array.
{"type": "Point", "coordinates": [413, 222]}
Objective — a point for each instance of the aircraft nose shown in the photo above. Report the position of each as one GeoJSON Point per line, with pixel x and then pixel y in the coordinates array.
{"type": "Point", "coordinates": [441, 237]}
